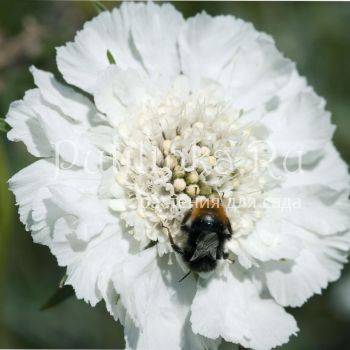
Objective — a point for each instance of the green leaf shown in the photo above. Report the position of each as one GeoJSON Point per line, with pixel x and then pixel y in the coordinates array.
{"type": "Point", "coordinates": [4, 127]}
{"type": "Point", "coordinates": [99, 7]}
{"type": "Point", "coordinates": [110, 57]}
{"type": "Point", "coordinates": [58, 297]}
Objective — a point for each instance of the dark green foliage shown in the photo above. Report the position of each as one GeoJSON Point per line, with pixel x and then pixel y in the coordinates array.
{"type": "Point", "coordinates": [61, 294]}
{"type": "Point", "coordinates": [4, 127]}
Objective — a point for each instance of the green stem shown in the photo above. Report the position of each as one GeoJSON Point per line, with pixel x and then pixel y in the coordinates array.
{"type": "Point", "coordinates": [99, 7]}
{"type": "Point", "coordinates": [6, 210]}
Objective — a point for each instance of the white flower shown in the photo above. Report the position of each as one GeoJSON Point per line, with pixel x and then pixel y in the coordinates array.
{"type": "Point", "coordinates": [200, 108]}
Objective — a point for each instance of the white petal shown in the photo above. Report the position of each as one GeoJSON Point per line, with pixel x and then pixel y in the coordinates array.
{"type": "Point", "coordinates": [46, 121]}
{"type": "Point", "coordinates": [155, 30]}
{"type": "Point", "coordinates": [225, 315]}
{"type": "Point", "coordinates": [69, 102]}
{"type": "Point", "coordinates": [67, 139]}
{"type": "Point", "coordinates": [320, 261]}
{"type": "Point", "coordinates": [270, 324]}
{"type": "Point", "coordinates": [300, 125]}
{"type": "Point", "coordinates": [321, 224]}
{"type": "Point", "coordinates": [118, 91]}
{"type": "Point", "coordinates": [320, 209]}
{"type": "Point", "coordinates": [266, 70]}
{"type": "Point", "coordinates": [102, 136]}
{"type": "Point", "coordinates": [91, 214]}
{"type": "Point", "coordinates": [83, 61]}
{"type": "Point", "coordinates": [90, 266]}
{"type": "Point", "coordinates": [25, 125]}
{"type": "Point", "coordinates": [205, 51]}
{"type": "Point", "coordinates": [36, 208]}
{"type": "Point", "coordinates": [240, 59]}
{"type": "Point", "coordinates": [156, 302]}
{"type": "Point", "coordinates": [267, 242]}
{"type": "Point", "coordinates": [238, 313]}
{"type": "Point", "coordinates": [327, 170]}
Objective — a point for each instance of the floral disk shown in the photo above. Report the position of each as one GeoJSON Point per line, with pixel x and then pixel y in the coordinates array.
{"type": "Point", "coordinates": [200, 108]}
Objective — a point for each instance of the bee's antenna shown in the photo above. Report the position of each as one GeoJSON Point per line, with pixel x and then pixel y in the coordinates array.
{"type": "Point", "coordinates": [187, 274]}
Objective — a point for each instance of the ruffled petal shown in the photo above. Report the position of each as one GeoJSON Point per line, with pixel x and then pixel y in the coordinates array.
{"type": "Point", "coordinates": [229, 305]}
{"type": "Point", "coordinates": [70, 103]}
{"type": "Point", "coordinates": [205, 51]}
{"type": "Point", "coordinates": [91, 214]}
{"type": "Point", "coordinates": [133, 35]}
{"type": "Point", "coordinates": [327, 170]}
{"type": "Point", "coordinates": [54, 120]}
{"type": "Point", "coordinates": [90, 266]}
{"type": "Point", "coordinates": [120, 91]}
{"type": "Point", "coordinates": [267, 242]}
{"type": "Point", "coordinates": [321, 224]}
{"type": "Point", "coordinates": [158, 305]}
{"type": "Point", "coordinates": [300, 125]}
{"type": "Point", "coordinates": [31, 185]}
{"type": "Point", "coordinates": [77, 227]}
{"type": "Point", "coordinates": [26, 127]}
{"type": "Point", "coordinates": [240, 59]}
{"type": "Point", "coordinates": [316, 208]}
{"type": "Point", "coordinates": [321, 258]}
{"type": "Point", "coordinates": [67, 139]}
{"type": "Point", "coordinates": [270, 324]}
{"type": "Point", "coordinates": [155, 30]}
{"type": "Point", "coordinates": [83, 61]}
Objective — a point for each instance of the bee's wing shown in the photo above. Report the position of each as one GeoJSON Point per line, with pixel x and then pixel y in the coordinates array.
{"type": "Point", "coordinates": [207, 246]}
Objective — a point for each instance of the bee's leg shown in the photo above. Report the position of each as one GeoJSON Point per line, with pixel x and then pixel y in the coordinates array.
{"type": "Point", "coordinates": [226, 257]}
{"type": "Point", "coordinates": [184, 227]}
{"type": "Point", "coordinates": [176, 248]}
{"type": "Point", "coordinates": [187, 274]}
{"type": "Point", "coordinates": [229, 228]}
{"type": "Point", "coordinates": [221, 254]}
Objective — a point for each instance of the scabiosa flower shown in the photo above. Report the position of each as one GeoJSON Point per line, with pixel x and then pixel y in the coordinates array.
{"type": "Point", "coordinates": [174, 111]}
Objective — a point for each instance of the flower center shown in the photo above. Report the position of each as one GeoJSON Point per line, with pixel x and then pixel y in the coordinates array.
{"type": "Point", "coordinates": [183, 146]}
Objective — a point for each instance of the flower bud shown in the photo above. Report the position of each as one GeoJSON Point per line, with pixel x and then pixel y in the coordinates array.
{"type": "Point", "coordinates": [205, 151]}
{"type": "Point", "coordinates": [198, 125]}
{"type": "Point", "coordinates": [212, 160]}
{"type": "Point", "coordinates": [235, 183]}
{"type": "Point", "coordinates": [192, 190]}
{"type": "Point", "coordinates": [179, 185]}
{"type": "Point", "coordinates": [166, 146]}
{"type": "Point", "coordinates": [170, 161]}
{"type": "Point", "coordinates": [205, 189]}
{"type": "Point", "coordinates": [192, 177]}
{"type": "Point", "coordinates": [178, 173]}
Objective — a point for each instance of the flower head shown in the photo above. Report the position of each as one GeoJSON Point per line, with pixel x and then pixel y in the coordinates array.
{"type": "Point", "coordinates": [175, 112]}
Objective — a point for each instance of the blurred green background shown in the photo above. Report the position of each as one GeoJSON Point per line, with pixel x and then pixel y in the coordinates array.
{"type": "Point", "coordinates": [315, 35]}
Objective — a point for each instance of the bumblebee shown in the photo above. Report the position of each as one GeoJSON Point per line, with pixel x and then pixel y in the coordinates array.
{"type": "Point", "coordinates": [208, 229]}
